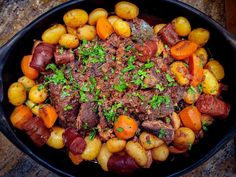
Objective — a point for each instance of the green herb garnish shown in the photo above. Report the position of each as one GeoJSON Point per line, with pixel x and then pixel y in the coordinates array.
{"type": "Point", "coordinates": [67, 108]}
{"type": "Point", "coordinates": [192, 90]}
{"type": "Point", "coordinates": [161, 133]}
{"type": "Point", "coordinates": [93, 133]}
{"type": "Point", "coordinates": [156, 101]}
{"type": "Point", "coordinates": [119, 129]}
{"type": "Point", "coordinates": [111, 113]}
{"type": "Point", "coordinates": [122, 86]}
{"type": "Point", "coordinates": [160, 87]}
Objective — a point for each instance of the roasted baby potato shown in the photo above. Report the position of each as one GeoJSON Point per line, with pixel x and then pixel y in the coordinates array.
{"type": "Point", "coordinates": [56, 140]}
{"type": "Point", "coordinates": [126, 10]}
{"type": "Point", "coordinates": [175, 120]}
{"type": "Point", "coordinates": [180, 71]}
{"type": "Point", "coordinates": [37, 94]}
{"type": "Point", "coordinates": [137, 152]}
{"type": "Point", "coordinates": [149, 141]}
{"type": "Point", "coordinates": [33, 107]}
{"type": "Point", "coordinates": [75, 18]}
{"type": "Point", "coordinates": [27, 82]}
{"type": "Point", "coordinates": [71, 30]}
{"type": "Point", "coordinates": [96, 14]}
{"type": "Point", "coordinates": [191, 95]}
{"type": "Point", "coordinates": [115, 145]}
{"type": "Point", "coordinates": [53, 34]}
{"type": "Point", "coordinates": [92, 148]}
{"type": "Point", "coordinates": [200, 36]}
{"type": "Point", "coordinates": [160, 153]}
{"type": "Point", "coordinates": [182, 26]}
{"type": "Point", "coordinates": [122, 28]}
{"type": "Point", "coordinates": [87, 32]}
{"type": "Point", "coordinates": [158, 27]}
{"type": "Point", "coordinates": [209, 84]}
{"type": "Point", "coordinates": [103, 157]}
{"type": "Point", "coordinates": [184, 138]}
{"type": "Point", "coordinates": [216, 68]}
{"type": "Point", "coordinates": [17, 93]}
{"type": "Point", "coordinates": [69, 41]}
{"type": "Point", "coordinates": [112, 19]}
{"type": "Point", "coordinates": [202, 54]}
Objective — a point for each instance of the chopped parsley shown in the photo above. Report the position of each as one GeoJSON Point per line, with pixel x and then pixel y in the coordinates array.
{"type": "Point", "coordinates": [61, 50]}
{"type": "Point", "coordinates": [199, 88]}
{"type": "Point", "coordinates": [68, 107]}
{"type": "Point", "coordinates": [105, 77]}
{"type": "Point", "coordinates": [93, 133]}
{"type": "Point", "coordinates": [111, 114]}
{"type": "Point", "coordinates": [160, 87]}
{"type": "Point", "coordinates": [204, 125]}
{"type": "Point", "coordinates": [65, 90]}
{"type": "Point", "coordinates": [192, 90]}
{"type": "Point", "coordinates": [157, 71]}
{"type": "Point", "coordinates": [141, 97]}
{"type": "Point", "coordinates": [168, 120]}
{"type": "Point", "coordinates": [82, 91]}
{"type": "Point", "coordinates": [85, 126]}
{"type": "Point", "coordinates": [93, 84]}
{"type": "Point", "coordinates": [122, 86]}
{"type": "Point", "coordinates": [169, 78]}
{"type": "Point", "coordinates": [148, 65]}
{"type": "Point", "coordinates": [149, 141]}
{"type": "Point", "coordinates": [161, 133]}
{"type": "Point", "coordinates": [156, 101]}
{"type": "Point", "coordinates": [128, 48]}
{"type": "Point", "coordinates": [41, 87]}
{"type": "Point", "coordinates": [119, 129]}
{"type": "Point", "coordinates": [58, 76]}
{"type": "Point", "coordinates": [130, 65]}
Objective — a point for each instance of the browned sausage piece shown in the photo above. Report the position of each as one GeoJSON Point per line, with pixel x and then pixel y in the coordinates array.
{"type": "Point", "coordinates": [213, 106]}
{"type": "Point", "coordinates": [168, 35]}
{"type": "Point", "coordinates": [121, 164]}
{"type": "Point", "coordinates": [69, 135]}
{"type": "Point", "coordinates": [146, 50]}
{"type": "Point", "coordinates": [37, 131]}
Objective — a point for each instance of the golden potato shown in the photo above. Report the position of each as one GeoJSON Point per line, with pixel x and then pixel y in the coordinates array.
{"type": "Point", "coordinates": [126, 10]}
{"type": "Point", "coordinates": [115, 145]}
{"type": "Point", "coordinates": [202, 54]}
{"type": "Point", "coordinates": [27, 82]}
{"type": "Point", "coordinates": [53, 34]}
{"type": "Point", "coordinates": [149, 141]}
{"type": "Point", "coordinates": [96, 14]}
{"type": "Point", "coordinates": [75, 18]}
{"type": "Point", "coordinates": [184, 138]}
{"type": "Point", "coordinates": [112, 19]}
{"type": "Point", "coordinates": [137, 152]}
{"type": "Point", "coordinates": [16, 93]}
{"type": "Point", "coordinates": [92, 148]}
{"type": "Point", "coordinates": [216, 68]}
{"type": "Point", "coordinates": [209, 84]}
{"type": "Point", "coordinates": [158, 27]}
{"type": "Point", "coordinates": [160, 153]}
{"type": "Point", "coordinates": [37, 94]}
{"type": "Point", "coordinates": [180, 71]}
{"type": "Point", "coordinates": [87, 32]}
{"type": "Point", "coordinates": [200, 36]}
{"type": "Point", "coordinates": [191, 95]}
{"type": "Point", "coordinates": [69, 41]}
{"type": "Point", "coordinates": [33, 107]}
{"type": "Point", "coordinates": [71, 30]}
{"type": "Point", "coordinates": [182, 26]}
{"type": "Point", "coordinates": [55, 139]}
{"type": "Point", "coordinates": [175, 120]}
{"type": "Point", "coordinates": [103, 157]}
{"type": "Point", "coordinates": [122, 28]}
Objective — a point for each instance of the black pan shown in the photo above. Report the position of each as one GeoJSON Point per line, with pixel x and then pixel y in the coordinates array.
{"type": "Point", "coordinates": [223, 48]}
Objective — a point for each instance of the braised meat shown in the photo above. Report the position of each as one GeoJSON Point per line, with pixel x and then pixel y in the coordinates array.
{"type": "Point", "coordinates": [63, 56]}
{"type": "Point", "coordinates": [169, 35]}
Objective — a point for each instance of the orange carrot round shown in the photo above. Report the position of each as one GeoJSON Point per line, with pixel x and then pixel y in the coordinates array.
{"type": "Point", "coordinates": [26, 69]}
{"type": "Point", "coordinates": [196, 70]}
{"type": "Point", "coordinates": [48, 114]}
{"type": "Point", "coordinates": [191, 118]}
{"type": "Point", "coordinates": [125, 127]}
{"type": "Point", "coordinates": [104, 28]}
{"type": "Point", "coordinates": [183, 49]}
{"type": "Point", "coordinates": [20, 115]}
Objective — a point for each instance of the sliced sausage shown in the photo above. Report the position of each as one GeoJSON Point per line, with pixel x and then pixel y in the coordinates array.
{"type": "Point", "coordinates": [146, 50]}
{"type": "Point", "coordinates": [169, 35]}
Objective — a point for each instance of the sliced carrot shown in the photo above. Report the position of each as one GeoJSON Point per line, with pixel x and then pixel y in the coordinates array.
{"type": "Point", "coordinates": [104, 28]}
{"type": "Point", "coordinates": [48, 114]}
{"type": "Point", "coordinates": [125, 127]}
{"type": "Point", "coordinates": [196, 70]}
{"type": "Point", "coordinates": [175, 150]}
{"type": "Point", "coordinates": [20, 115]}
{"type": "Point", "coordinates": [183, 49]}
{"type": "Point", "coordinates": [76, 159]}
{"type": "Point", "coordinates": [26, 69]}
{"type": "Point", "coordinates": [191, 118]}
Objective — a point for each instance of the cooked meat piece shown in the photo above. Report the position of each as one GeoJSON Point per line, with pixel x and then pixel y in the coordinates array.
{"type": "Point", "coordinates": [146, 50]}
{"type": "Point", "coordinates": [157, 127]}
{"type": "Point", "coordinates": [42, 56]}
{"type": "Point", "coordinates": [36, 130]}
{"type": "Point", "coordinates": [87, 115]}
{"type": "Point", "coordinates": [63, 56]}
{"type": "Point", "coordinates": [150, 160]}
{"type": "Point", "coordinates": [169, 35]}
{"type": "Point", "coordinates": [175, 92]}
{"type": "Point", "coordinates": [213, 106]}
{"type": "Point", "coordinates": [61, 103]}
{"type": "Point", "coordinates": [121, 164]}
{"type": "Point", "coordinates": [102, 119]}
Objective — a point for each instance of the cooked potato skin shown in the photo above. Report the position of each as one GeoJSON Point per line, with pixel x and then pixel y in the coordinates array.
{"type": "Point", "coordinates": [112, 19]}
{"type": "Point", "coordinates": [184, 137]}
{"type": "Point", "coordinates": [92, 148]}
{"type": "Point", "coordinates": [137, 152]}
{"type": "Point", "coordinates": [180, 71]}
{"type": "Point", "coordinates": [126, 10]}
{"type": "Point", "coordinates": [56, 140]}
{"type": "Point", "coordinates": [158, 27]}
{"type": "Point", "coordinates": [33, 107]}
{"type": "Point", "coordinates": [160, 153]}
{"type": "Point", "coordinates": [115, 145]}
{"type": "Point", "coordinates": [69, 41]}
{"type": "Point", "coordinates": [209, 83]}
{"type": "Point", "coordinates": [182, 26]}
{"type": "Point", "coordinates": [122, 28]}
{"type": "Point", "coordinates": [202, 54]}
{"type": "Point", "coordinates": [175, 120]}
{"type": "Point", "coordinates": [27, 82]}
{"type": "Point", "coordinates": [37, 95]}
{"type": "Point", "coordinates": [71, 30]}
{"type": "Point", "coordinates": [149, 141]}
{"type": "Point", "coordinates": [16, 93]}
{"type": "Point", "coordinates": [200, 36]}
{"type": "Point", "coordinates": [75, 18]}
{"type": "Point", "coordinates": [103, 157]}
{"type": "Point", "coordinates": [87, 32]}
{"type": "Point", "coordinates": [216, 68]}
{"type": "Point", "coordinates": [53, 34]}
{"type": "Point", "coordinates": [96, 14]}
{"type": "Point", "coordinates": [190, 97]}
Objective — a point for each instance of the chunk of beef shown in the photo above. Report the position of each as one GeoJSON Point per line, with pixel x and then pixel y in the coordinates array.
{"type": "Point", "coordinates": [87, 115]}
{"type": "Point", "coordinates": [169, 35]}
{"type": "Point", "coordinates": [42, 56]}
{"type": "Point", "coordinates": [157, 127]}
{"type": "Point", "coordinates": [63, 56]}
{"type": "Point", "coordinates": [146, 50]}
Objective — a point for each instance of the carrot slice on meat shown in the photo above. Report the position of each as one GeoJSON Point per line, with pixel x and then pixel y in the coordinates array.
{"type": "Point", "coordinates": [104, 28]}
{"type": "Point", "coordinates": [196, 70]}
{"type": "Point", "coordinates": [48, 114]}
{"type": "Point", "coordinates": [183, 49]}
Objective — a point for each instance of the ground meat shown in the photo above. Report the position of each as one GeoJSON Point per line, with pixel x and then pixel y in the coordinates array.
{"type": "Point", "coordinates": [169, 35]}
{"type": "Point", "coordinates": [158, 127]}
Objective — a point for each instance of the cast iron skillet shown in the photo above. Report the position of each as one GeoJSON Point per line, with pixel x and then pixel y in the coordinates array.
{"type": "Point", "coordinates": [222, 45]}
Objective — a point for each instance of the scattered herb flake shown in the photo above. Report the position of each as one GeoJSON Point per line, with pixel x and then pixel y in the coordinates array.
{"type": "Point", "coordinates": [156, 101]}
{"type": "Point", "coordinates": [192, 90]}
{"type": "Point", "coordinates": [160, 87]}
{"type": "Point", "coordinates": [67, 108]}
{"type": "Point", "coordinates": [93, 133]}
{"type": "Point", "coordinates": [119, 129]}
{"type": "Point", "coordinates": [128, 48]}
{"type": "Point", "coordinates": [161, 133]}
{"type": "Point", "coordinates": [169, 78]}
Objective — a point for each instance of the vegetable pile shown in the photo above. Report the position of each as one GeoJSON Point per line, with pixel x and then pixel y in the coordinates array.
{"type": "Point", "coordinates": [109, 87]}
